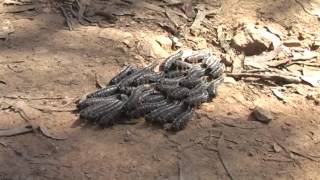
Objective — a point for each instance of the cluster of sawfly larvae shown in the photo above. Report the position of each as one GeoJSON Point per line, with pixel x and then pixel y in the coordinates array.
{"type": "Point", "coordinates": [168, 97]}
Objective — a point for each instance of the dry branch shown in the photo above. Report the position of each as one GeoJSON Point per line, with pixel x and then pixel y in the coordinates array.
{"type": "Point", "coordinates": [270, 77]}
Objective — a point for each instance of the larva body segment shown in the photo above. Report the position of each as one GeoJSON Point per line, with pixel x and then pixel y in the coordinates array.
{"type": "Point", "coordinates": [125, 72]}
{"type": "Point", "coordinates": [181, 121]}
{"type": "Point", "coordinates": [105, 92]}
{"type": "Point", "coordinates": [198, 99]}
{"type": "Point", "coordinates": [109, 116]}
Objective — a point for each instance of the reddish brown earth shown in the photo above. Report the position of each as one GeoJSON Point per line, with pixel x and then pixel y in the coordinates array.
{"type": "Point", "coordinates": [43, 59]}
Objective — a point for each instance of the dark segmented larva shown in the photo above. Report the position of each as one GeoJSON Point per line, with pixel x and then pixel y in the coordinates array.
{"type": "Point", "coordinates": [95, 111]}
{"type": "Point", "coordinates": [146, 108]}
{"type": "Point", "coordinates": [197, 99]}
{"type": "Point", "coordinates": [197, 58]}
{"type": "Point", "coordinates": [210, 62]}
{"type": "Point", "coordinates": [146, 78]}
{"type": "Point", "coordinates": [181, 121]}
{"type": "Point", "coordinates": [134, 97]}
{"type": "Point", "coordinates": [158, 117]}
{"type": "Point", "coordinates": [174, 81]}
{"type": "Point", "coordinates": [190, 82]}
{"type": "Point", "coordinates": [178, 93]}
{"type": "Point", "coordinates": [182, 65]}
{"type": "Point", "coordinates": [95, 100]}
{"type": "Point", "coordinates": [144, 96]}
{"type": "Point", "coordinates": [168, 62]}
{"type": "Point", "coordinates": [175, 74]}
{"type": "Point", "coordinates": [169, 115]}
{"type": "Point", "coordinates": [155, 98]}
{"type": "Point", "coordinates": [125, 72]}
{"type": "Point", "coordinates": [104, 92]}
{"type": "Point", "coordinates": [212, 87]}
{"type": "Point", "coordinates": [153, 114]}
{"type": "Point", "coordinates": [128, 80]}
{"type": "Point", "coordinates": [109, 116]}
{"type": "Point", "coordinates": [196, 73]}
{"type": "Point", "coordinates": [166, 88]}
{"type": "Point", "coordinates": [217, 72]}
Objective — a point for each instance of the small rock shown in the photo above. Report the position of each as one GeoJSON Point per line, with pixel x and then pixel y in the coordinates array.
{"type": "Point", "coordinates": [229, 80]}
{"type": "Point", "coordinates": [176, 44]}
{"type": "Point", "coordinates": [253, 40]}
{"type": "Point", "coordinates": [165, 42]}
{"type": "Point", "coordinates": [251, 153]}
{"type": "Point", "coordinates": [240, 40]}
{"type": "Point", "coordinates": [128, 136]}
{"type": "Point", "coordinates": [117, 35]}
{"type": "Point", "coordinates": [276, 148]}
{"type": "Point", "coordinates": [150, 48]}
{"type": "Point", "coordinates": [262, 115]}
{"type": "Point", "coordinates": [6, 28]}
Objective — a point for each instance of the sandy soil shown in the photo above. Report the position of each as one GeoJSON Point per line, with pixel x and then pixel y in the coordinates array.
{"type": "Point", "coordinates": [43, 59]}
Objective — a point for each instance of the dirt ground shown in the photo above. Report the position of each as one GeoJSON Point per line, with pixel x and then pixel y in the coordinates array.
{"type": "Point", "coordinates": [43, 64]}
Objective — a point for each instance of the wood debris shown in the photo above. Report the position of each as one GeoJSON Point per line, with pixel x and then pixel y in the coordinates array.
{"type": "Point", "coordinates": [28, 128]}
{"type": "Point", "coordinates": [278, 78]}
{"type": "Point", "coordinates": [221, 147]}
{"type": "Point", "coordinates": [21, 129]}
{"type": "Point", "coordinates": [201, 15]}
{"type": "Point", "coordinates": [19, 9]}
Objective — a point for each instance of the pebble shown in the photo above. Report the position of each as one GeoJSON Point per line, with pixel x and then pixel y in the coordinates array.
{"type": "Point", "coordinates": [262, 115]}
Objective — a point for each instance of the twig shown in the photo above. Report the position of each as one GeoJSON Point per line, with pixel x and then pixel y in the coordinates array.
{"type": "Point", "coordinates": [288, 151]}
{"type": "Point", "coordinates": [304, 156]}
{"type": "Point", "coordinates": [305, 10]}
{"type": "Point", "coordinates": [35, 98]}
{"type": "Point", "coordinates": [201, 15]}
{"type": "Point", "coordinates": [26, 128]}
{"type": "Point", "coordinates": [3, 144]}
{"type": "Point", "coordinates": [48, 134]}
{"type": "Point", "coordinates": [179, 168]}
{"type": "Point", "coordinates": [278, 160]}
{"type": "Point", "coordinates": [23, 114]}
{"type": "Point", "coordinates": [52, 109]}
{"type": "Point", "coordinates": [3, 82]}
{"type": "Point", "coordinates": [271, 77]}
{"type": "Point", "coordinates": [226, 139]}
{"type": "Point", "coordinates": [20, 9]}
{"type": "Point", "coordinates": [304, 63]}
{"type": "Point", "coordinates": [210, 149]}
{"type": "Point", "coordinates": [220, 150]}
{"type": "Point", "coordinates": [11, 68]}
{"type": "Point", "coordinates": [68, 20]}
{"type": "Point", "coordinates": [11, 62]}
{"type": "Point", "coordinates": [240, 127]}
